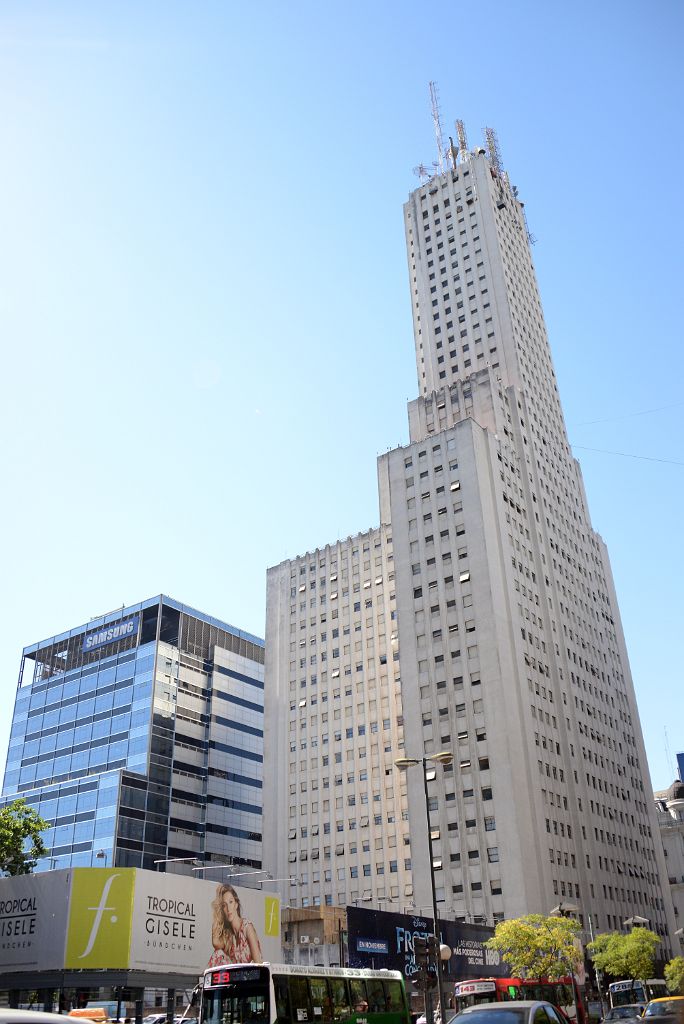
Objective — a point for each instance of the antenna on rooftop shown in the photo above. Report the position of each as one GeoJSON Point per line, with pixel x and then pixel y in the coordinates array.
{"type": "Point", "coordinates": [493, 150]}
{"type": "Point", "coordinates": [434, 101]}
{"type": "Point", "coordinates": [462, 141]}
{"type": "Point", "coordinates": [422, 172]}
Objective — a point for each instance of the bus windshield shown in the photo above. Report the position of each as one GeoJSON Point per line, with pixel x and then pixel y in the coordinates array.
{"type": "Point", "coordinates": [240, 1002]}
{"type": "Point", "coordinates": [635, 990]}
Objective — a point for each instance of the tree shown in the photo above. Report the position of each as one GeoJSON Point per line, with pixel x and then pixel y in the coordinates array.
{"type": "Point", "coordinates": [536, 946]}
{"type": "Point", "coordinates": [674, 976]}
{"type": "Point", "coordinates": [20, 841]}
{"type": "Point", "coordinates": [625, 956]}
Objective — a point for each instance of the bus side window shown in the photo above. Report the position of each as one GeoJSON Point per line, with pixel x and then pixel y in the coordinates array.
{"type": "Point", "coordinates": [299, 1000]}
{"type": "Point", "coordinates": [320, 1000]}
{"type": "Point", "coordinates": [376, 997]}
{"type": "Point", "coordinates": [340, 998]}
{"type": "Point", "coordinates": [359, 996]}
{"type": "Point", "coordinates": [282, 999]}
{"type": "Point", "coordinates": [394, 999]}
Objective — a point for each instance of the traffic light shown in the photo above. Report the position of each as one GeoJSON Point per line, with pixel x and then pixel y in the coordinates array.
{"type": "Point", "coordinates": [424, 952]}
{"type": "Point", "coordinates": [421, 951]}
{"type": "Point", "coordinates": [424, 981]}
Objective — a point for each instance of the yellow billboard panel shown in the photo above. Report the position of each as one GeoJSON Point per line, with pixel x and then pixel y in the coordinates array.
{"type": "Point", "coordinates": [100, 918]}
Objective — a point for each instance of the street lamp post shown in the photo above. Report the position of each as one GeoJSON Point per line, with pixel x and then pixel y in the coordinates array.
{"type": "Point", "coordinates": [444, 757]}
{"type": "Point", "coordinates": [597, 973]}
{"type": "Point", "coordinates": [175, 860]}
{"type": "Point", "coordinates": [567, 910]}
{"type": "Point", "coordinates": [237, 874]}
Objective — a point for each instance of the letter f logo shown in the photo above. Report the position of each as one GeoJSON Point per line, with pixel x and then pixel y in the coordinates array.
{"type": "Point", "coordinates": [99, 913]}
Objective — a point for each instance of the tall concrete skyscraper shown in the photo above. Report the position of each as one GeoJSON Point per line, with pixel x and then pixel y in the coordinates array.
{"type": "Point", "coordinates": [480, 618]}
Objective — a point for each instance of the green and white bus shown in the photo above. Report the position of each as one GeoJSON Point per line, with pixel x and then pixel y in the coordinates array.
{"type": "Point", "coordinates": [292, 994]}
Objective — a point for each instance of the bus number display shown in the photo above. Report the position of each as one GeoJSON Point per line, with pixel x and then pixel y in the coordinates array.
{"type": "Point", "coordinates": [234, 975]}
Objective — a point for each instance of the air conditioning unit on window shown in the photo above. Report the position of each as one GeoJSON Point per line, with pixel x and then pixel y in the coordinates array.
{"type": "Point", "coordinates": [304, 940]}
{"type": "Point", "coordinates": [316, 941]}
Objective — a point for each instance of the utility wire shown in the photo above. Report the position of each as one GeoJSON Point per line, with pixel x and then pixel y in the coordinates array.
{"type": "Point", "coordinates": [629, 415]}
{"type": "Point", "coordinates": [627, 455]}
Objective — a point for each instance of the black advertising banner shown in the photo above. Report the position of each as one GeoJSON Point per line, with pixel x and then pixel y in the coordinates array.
{"type": "Point", "coordinates": [469, 957]}
{"type": "Point", "coordinates": [383, 940]}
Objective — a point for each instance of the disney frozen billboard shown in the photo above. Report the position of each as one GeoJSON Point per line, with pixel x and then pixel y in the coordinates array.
{"type": "Point", "coordinates": [380, 939]}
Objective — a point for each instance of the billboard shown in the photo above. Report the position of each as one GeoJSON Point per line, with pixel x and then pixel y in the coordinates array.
{"type": "Point", "coordinates": [180, 921]}
{"type": "Point", "coordinates": [384, 940]}
{"type": "Point", "coordinates": [33, 916]}
{"type": "Point", "coordinates": [126, 918]}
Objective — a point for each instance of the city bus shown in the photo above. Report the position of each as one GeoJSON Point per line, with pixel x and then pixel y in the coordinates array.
{"type": "Point", "coordinates": [293, 994]}
{"type": "Point", "coordinates": [495, 990]}
{"type": "Point", "coordinates": [636, 991]}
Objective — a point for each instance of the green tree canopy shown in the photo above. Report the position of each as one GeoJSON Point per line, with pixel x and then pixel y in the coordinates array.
{"type": "Point", "coordinates": [20, 840]}
{"type": "Point", "coordinates": [674, 976]}
{"type": "Point", "coordinates": [625, 956]}
{"type": "Point", "coordinates": [535, 946]}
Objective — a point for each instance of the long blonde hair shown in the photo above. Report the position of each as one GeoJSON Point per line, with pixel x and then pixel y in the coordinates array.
{"type": "Point", "coordinates": [222, 930]}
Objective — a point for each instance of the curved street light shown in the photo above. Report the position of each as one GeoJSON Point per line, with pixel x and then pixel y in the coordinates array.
{"type": "Point", "coordinates": [443, 757]}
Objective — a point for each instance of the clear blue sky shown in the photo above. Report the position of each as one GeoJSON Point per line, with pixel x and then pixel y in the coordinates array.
{"type": "Point", "coordinates": [203, 289]}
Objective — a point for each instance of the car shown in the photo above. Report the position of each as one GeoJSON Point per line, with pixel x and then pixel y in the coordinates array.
{"type": "Point", "coordinates": [630, 1011]}
{"type": "Point", "coordinates": [666, 1010]}
{"type": "Point", "coordinates": [523, 1011]}
{"type": "Point", "coordinates": [449, 1018]}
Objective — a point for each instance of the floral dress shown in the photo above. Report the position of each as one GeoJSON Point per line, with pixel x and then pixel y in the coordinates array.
{"type": "Point", "coordinates": [236, 951]}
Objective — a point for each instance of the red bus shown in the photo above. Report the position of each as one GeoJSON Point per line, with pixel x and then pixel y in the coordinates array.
{"type": "Point", "coordinates": [498, 990]}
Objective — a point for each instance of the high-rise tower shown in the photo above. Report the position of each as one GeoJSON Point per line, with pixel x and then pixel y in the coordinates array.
{"type": "Point", "coordinates": [138, 737]}
{"type": "Point", "coordinates": [483, 621]}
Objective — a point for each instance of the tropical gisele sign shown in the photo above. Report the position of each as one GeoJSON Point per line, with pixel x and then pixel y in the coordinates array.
{"type": "Point", "coordinates": [33, 916]}
{"type": "Point", "coordinates": [118, 918]}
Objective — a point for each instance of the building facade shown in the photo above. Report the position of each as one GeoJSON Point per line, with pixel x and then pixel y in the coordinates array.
{"type": "Point", "coordinates": [139, 737]}
{"type": "Point", "coordinates": [670, 808]}
{"type": "Point", "coordinates": [500, 627]}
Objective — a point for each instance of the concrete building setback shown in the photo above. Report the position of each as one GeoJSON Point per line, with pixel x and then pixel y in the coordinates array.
{"type": "Point", "coordinates": [480, 617]}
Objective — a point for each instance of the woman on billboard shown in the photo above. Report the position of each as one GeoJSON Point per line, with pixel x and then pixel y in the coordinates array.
{"type": "Point", "coordinates": [234, 939]}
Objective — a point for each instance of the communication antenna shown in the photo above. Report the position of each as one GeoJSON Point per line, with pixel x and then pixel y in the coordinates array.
{"type": "Point", "coordinates": [422, 172]}
{"type": "Point", "coordinates": [434, 100]}
{"type": "Point", "coordinates": [493, 149]}
{"type": "Point", "coordinates": [670, 759]}
{"type": "Point", "coordinates": [462, 141]}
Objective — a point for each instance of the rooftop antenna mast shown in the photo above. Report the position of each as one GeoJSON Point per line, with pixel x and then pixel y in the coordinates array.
{"type": "Point", "coordinates": [670, 759]}
{"type": "Point", "coordinates": [434, 101]}
{"type": "Point", "coordinates": [493, 150]}
{"type": "Point", "coordinates": [422, 172]}
{"type": "Point", "coordinates": [462, 141]}
{"type": "Point", "coordinates": [495, 155]}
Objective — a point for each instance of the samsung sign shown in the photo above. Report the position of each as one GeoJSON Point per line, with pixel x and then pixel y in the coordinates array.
{"type": "Point", "coordinates": [110, 634]}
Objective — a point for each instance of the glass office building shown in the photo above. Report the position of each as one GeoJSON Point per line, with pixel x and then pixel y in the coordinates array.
{"type": "Point", "coordinates": [139, 737]}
